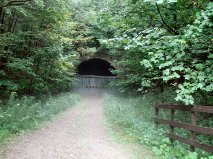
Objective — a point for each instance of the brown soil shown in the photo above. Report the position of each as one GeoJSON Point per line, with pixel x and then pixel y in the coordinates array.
{"type": "Point", "coordinates": [77, 134]}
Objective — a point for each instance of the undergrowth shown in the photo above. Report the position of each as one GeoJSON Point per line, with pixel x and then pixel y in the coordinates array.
{"type": "Point", "coordinates": [27, 113]}
{"type": "Point", "coordinates": [134, 116]}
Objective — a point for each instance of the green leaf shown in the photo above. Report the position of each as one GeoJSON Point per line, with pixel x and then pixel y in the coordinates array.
{"type": "Point", "coordinates": [172, 1]}
{"type": "Point", "coordinates": [159, 1]}
{"type": "Point", "coordinates": [166, 72]}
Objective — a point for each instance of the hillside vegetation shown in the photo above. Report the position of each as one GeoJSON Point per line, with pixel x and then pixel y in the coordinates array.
{"type": "Point", "coordinates": [156, 43]}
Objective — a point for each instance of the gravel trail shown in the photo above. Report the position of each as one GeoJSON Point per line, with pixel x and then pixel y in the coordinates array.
{"type": "Point", "coordinates": [77, 134]}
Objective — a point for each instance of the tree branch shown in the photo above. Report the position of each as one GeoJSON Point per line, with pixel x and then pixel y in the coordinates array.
{"type": "Point", "coordinates": [15, 3]}
{"type": "Point", "coordinates": [164, 22]}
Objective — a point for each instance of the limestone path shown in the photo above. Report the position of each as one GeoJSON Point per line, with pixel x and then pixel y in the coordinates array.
{"type": "Point", "coordinates": [77, 134]}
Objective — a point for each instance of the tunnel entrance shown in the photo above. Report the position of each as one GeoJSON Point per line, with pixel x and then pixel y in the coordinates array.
{"type": "Point", "coordinates": [95, 77]}
{"type": "Point", "coordinates": [95, 67]}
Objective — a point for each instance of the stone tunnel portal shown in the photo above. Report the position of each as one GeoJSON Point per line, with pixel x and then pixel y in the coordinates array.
{"type": "Point", "coordinates": [95, 77]}
{"type": "Point", "coordinates": [95, 67]}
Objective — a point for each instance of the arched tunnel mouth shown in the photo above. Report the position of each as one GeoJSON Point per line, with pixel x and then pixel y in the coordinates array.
{"type": "Point", "coordinates": [95, 67]}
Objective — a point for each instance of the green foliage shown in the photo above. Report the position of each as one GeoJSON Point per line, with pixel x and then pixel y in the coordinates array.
{"type": "Point", "coordinates": [157, 56]}
{"type": "Point", "coordinates": [19, 115]}
{"type": "Point", "coordinates": [37, 53]}
{"type": "Point", "coordinates": [135, 115]}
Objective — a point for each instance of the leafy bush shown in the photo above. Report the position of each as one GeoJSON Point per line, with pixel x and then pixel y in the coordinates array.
{"type": "Point", "coordinates": [135, 117]}
{"type": "Point", "coordinates": [19, 115]}
{"type": "Point", "coordinates": [150, 56]}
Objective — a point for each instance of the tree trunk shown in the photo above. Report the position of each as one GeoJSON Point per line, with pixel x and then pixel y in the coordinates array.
{"type": "Point", "coordinates": [11, 22]}
{"type": "Point", "coordinates": [2, 14]}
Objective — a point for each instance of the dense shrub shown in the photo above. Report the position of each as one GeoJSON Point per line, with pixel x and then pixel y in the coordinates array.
{"type": "Point", "coordinates": [154, 55]}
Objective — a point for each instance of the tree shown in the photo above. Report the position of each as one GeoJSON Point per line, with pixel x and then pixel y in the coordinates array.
{"type": "Point", "coordinates": [161, 44]}
{"type": "Point", "coordinates": [36, 52]}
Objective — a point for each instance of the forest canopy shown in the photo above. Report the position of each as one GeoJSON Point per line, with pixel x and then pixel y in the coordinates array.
{"type": "Point", "coordinates": [156, 43]}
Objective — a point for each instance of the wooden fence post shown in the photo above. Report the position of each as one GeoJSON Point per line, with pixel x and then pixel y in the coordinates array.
{"type": "Point", "coordinates": [156, 115]}
{"type": "Point", "coordinates": [172, 117]}
{"type": "Point", "coordinates": [193, 134]}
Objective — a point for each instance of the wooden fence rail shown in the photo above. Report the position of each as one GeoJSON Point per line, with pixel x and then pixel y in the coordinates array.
{"type": "Point", "coordinates": [193, 128]}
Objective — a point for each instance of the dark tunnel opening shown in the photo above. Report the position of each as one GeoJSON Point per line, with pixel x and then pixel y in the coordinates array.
{"type": "Point", "coordinates": [96, 67]}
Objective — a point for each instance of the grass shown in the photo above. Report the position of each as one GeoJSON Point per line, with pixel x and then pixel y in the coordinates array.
{"type": "Point", "coordinates": [21, 115]}
{"type": "Point", "coordinates": [134, 117]}
{"type": "Point", "coordinates": [130, 144]}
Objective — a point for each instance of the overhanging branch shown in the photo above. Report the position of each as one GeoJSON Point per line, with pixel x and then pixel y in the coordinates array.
{"type": "Point", "coordinates": [15, 3]}
{"type": "Point", "coordinates": [164, 22]}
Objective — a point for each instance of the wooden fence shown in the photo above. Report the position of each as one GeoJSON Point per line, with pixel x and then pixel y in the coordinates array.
{"type": "Point", "coordinates": [193, 128]}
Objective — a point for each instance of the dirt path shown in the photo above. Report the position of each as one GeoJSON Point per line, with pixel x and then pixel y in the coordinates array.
{"type": "Point", "coordinates": [77, 134]}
